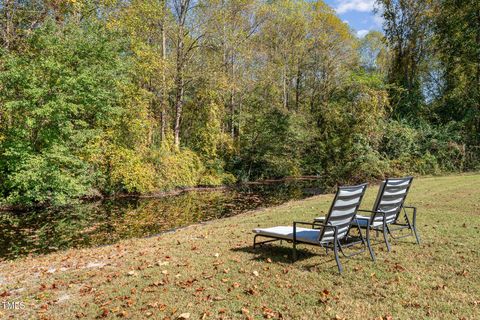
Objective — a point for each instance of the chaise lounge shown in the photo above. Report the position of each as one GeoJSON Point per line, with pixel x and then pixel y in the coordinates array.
{"type": "Point", "coordinates": [385, 216]}
{"type": "Point", "coordinates": [333, 232]}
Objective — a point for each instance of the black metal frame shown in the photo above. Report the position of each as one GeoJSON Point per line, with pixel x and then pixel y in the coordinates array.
{"type": "Point", "coordinates": [336, 244]}
{"type": "Point", "coordinates": [384, 228]}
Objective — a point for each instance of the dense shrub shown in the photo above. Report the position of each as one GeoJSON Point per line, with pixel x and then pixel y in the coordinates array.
{"type": "Point", "coordinates": [51, 177]}
{"type": "Point", "coordinates": [423, 148]}
{"type": "Point", "coordinates": [271, 147]}
{"type": "Point", "coordinates": [62, 92]}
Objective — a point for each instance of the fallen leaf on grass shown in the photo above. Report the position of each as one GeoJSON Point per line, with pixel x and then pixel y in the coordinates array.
{"type": "Point", "coordinates": [251, 291]}
{"type": "Point", "coordinates": [356, 268]}
{"type": "Point", "coordinates": [184, 316]}
{"type": "Point", "coordinates": [255, 273]}
{"type": "Point", "coordinates": [463, 273]}
{"type": "Point", "coordinates": [122, 314]}
{"type": "Point", "coordinates": [398, 267]}
{"type": "Point", "coordinates": [104, 313]}
{"type": "Point", "coordinates": [268, 313]}
{"type": "Point", "coordinates": [6, 293]}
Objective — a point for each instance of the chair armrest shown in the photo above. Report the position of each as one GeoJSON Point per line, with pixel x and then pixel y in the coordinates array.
{"type": "Point", "coordinates": [312, 224]}
{"type": "Point", "coordinates": [362, 218]}
{"type": "Point", "coordinates": [371, 211]}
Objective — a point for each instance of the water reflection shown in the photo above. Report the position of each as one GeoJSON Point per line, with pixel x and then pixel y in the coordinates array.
{"type": "Point", "coordinates": [99, 223]}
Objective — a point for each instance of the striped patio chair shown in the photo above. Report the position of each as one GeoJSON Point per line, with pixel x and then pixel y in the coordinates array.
{"type": "Point", "coordinates": [385, 216]}
{"type": "Point", "coordinates": [332, 233]}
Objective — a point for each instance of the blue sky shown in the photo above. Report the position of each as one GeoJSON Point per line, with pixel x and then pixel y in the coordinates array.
{"type": "Point", "coordinates": [358, 14]}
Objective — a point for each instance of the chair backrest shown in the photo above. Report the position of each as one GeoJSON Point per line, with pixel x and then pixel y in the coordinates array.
{"type": "Point", "coordinates": [342, 212]}
{"type": "Point", "coordinates": [390, 199]}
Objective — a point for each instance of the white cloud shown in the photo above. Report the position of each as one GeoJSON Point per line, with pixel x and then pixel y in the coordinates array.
{"type": "Point", "coordinates": [354, 5]}
{"type": "Point", "coordinates": [362, 33]}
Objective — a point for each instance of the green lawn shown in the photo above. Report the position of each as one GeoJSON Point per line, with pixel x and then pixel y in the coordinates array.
{"type": "Point", "coordinates": [210, 271]}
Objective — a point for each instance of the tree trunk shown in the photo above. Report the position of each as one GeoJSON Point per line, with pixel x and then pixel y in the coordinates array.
{"type": "Point", "coordinates": [285, 93]}
{"type": "Point", "coordinates": [163, 114]}
{"type": "Point", "coordinates": [297, 88]}
{"type": "Point", "coordinates": [180, 83]}
{"type": "Point", "coordinates": [8, 23]}
{"type": "Point", "coordinates": [178, 109]}
{"type": "Point", "coordinates": [478, 54]}
{"type": "Point", "coordinates": [232, 98]}
{"type": "Point", "coordinates": [182, 10]}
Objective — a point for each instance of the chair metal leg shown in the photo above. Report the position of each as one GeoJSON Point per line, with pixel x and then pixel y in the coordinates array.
{"type": "Point", "coordinates": [417, 237]}
{"type": "Point", "coordinates": [337, 258]}
{"type": "Point", "coordinates": [294, 253]}
{"type": "Point", "coordinates": [385, 237]}
{"type": "Point", "coordinates": [414, 225]}
{"type": "Point", "coordinates": [372, 255]}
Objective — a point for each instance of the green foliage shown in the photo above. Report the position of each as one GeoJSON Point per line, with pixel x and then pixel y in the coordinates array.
{"type": "Point", "coordinates": [53, 177]}
{"type": "Point", "coordinates": [457, 39]}
{"type": "Point", "coordinates": [176, 168]}
{"type": "Point", "coordinates": [423, 149]}
{"type": "Point", "coordinates": [107, 97]}
{"type": "Point", "coordinates": [57, 95]}
{"type": "Point", "coordinates": [128, 170]}
{"type": "Point", "coordinates": [271, 147]}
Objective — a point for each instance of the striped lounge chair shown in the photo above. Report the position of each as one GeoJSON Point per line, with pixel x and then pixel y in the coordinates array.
{"type": "Point", "coordinates": [386, 216]}
{"type": "Point", "coordinates": [333, 232]}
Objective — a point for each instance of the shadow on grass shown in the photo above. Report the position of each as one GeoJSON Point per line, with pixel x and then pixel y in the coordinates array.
{"type": "Point", "coordinates": [283, 254]}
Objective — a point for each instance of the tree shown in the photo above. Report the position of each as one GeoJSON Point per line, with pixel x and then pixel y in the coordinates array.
{"type": "Point", "coordinates": [407, 30]}
{"type": "Point", "coordinates": [457, 29]}
{"type": "Point", "coordinates": [59, 97]}
{"type": "Point", "coordinates": [145, 23]}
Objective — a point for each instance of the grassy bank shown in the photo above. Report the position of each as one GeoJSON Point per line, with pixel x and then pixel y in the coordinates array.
{"type": "Point", "coordinates": [210, 271]}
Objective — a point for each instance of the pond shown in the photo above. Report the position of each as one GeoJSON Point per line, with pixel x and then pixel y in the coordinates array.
{"type": "Point", "coordinates": [105, 222]}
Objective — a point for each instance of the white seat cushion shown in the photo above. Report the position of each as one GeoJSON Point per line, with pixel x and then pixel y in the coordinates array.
{"type": "Point", "coordinates": [284, 232]}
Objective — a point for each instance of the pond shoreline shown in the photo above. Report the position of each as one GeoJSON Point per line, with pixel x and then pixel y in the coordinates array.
{"type": "Point", "coordinates": [155, 194]}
